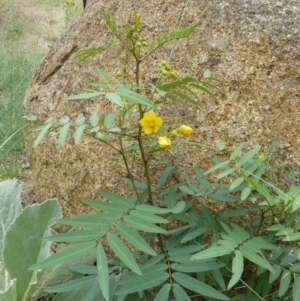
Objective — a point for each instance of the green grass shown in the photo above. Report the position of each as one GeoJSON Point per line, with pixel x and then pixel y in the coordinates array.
{"type": "Point", "coordinates": [17, 66]}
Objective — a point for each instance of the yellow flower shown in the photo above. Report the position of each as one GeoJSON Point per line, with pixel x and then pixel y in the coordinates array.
{"type": "Point", "coordinates": [185, 130]}
{"type": "Point", "coordinates": [150, 122]}
{"type": "Point", "coordinates": [164, 142]}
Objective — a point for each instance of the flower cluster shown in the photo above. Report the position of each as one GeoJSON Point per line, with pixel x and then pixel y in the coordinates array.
{"type": "Point", "coordinates": [151, 124]}
{"type": "Point", "coordinates": [166, 70]}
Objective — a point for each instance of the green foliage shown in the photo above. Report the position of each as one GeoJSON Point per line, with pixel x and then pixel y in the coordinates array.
{"type": "Point", "coordinates": [153, 244]}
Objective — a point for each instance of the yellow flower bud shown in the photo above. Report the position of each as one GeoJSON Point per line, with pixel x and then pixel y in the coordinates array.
{"type": "Point", "coordinates": [119, 73]}
{"type": "Point", "coordinates": [174, 133]}
{"type": "Point", "coordinates": [185, 130]}
{"type": "Point", "coordinates": [165, 73]}
{"type": "Point", "coordinates": [164, 142]}
{"type": "Point", "coordinates": [167, 67]}
{"type": "Point", "coordinates": [173, 74]}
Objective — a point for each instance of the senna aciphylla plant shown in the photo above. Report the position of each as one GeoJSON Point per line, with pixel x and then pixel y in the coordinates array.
{"type": "Point", "coordinates": [122, 131]}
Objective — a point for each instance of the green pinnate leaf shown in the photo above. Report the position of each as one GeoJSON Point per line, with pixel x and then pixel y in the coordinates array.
{"type": "Point", "coordinates": [78, 133]}
{"type": "Point", "coordinates": [77, 236]}
{"type": "Point", "coordinates": [285, 281]}
{"type": "Point", "coordinates": [247, 156]}
{"type": "Point", "coordinates": [237, 151]}
{"type": "Point", "coordinates": [142, 225]}
{"type": "Point", "coordinates": [177, 34]}
{"type": "Point", "coordinates": [42, 133]}
{"type": "Point", "coordinates": [152, 209]}
{"type": "Point", "coordinates": [275, 275]}
{"type": "Point", "coordinates": [63, 134]}
{"type": "Point", "coordinates": [180, 293]}
{"type": "Point", "coordinates": [213, 252]}
{"type": "Point", "coordinates": [123, 253]}
{"type": "Point", "coordinates": [198, 286]}
{"type": "Point", "coordinates": [237, 268]}
{"type": "Point", "coordinates": [94, 118]}
{"type": "Point", "coordinates": [237, 182]}
{"type": "Point", "coordinates": [133, 237]}
{"type": "Point", "coordinates": [147, 280]}
{"type": "Point", "coordinates": [149, 217]}
{"type": "Point", "coordinates": [217, 166]}
{"type": "Point", "coordinates": [71, 285]}
{"type": "Point", "coordinates": [193, 234]}
{"type": "Point", "coordinates": [245, 193]}
{"type": "Point", "coordinates": [103, 274]}
{"type": "Point", "coordinates": [115, 198]}
{"type": "Point", "coordinates": [109, 120]}
{"type": "Point", "coordinates": [115, 98]}
{"type": "Point", "coordinates": [84, 96]}
{"type": "Point", "coordinates": [296, 288]}
{"type": "Point", "coordinates": [164, 293]}
{"type": "Point", "coordinates": [63, 256]}
{"type": "Point", "coordinates": [135, 97]}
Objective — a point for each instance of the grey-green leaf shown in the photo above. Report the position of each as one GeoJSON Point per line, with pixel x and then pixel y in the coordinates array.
{"type": "Point", "coordinates": [237, 151]}
{"type": "Point", "coordinates": [217, 166]}
{"type": "Point", "coordinates": [71, 285]}
{"type": "Point", "coordinates": [94, 118]}
{"type": "Point", "coordinates": [80, 119]}
{"type": "Point", "coordinates": [198, 286]}
{"type": "Point", "coordinates": [144, 282]}
{"type": "Point", "coordinates": [140, 224]}
{"type": "Point", "coordinates": [192, 234]}
{"type": "Point", "coordinates": [115, 198]}
{"type": "Point", "coordinates": [78, 133]}
{"type": "Point", "coordinates": [179, 293]}
{"type": "Point", "coordinates": [103, 275]}
{"type": "Point", "coordinates": [153, 209]}
{"type": "Point", "coordinates": [115, 98]}
{"type": "Point", "coordinates": [135, 239]}
{"type": "Point", "coordinates": [41, 135]}
{"type": "Point", "coordinates": [164, 293]}
{"type": "Point", "coordinates": [109, 120]}
{"type": "Point", "coordinates": [135, 97]}
{"type": "Point", "coordinates": [123, 253]}
{"type": "Point", "coordinates": [84, 96]}
{"type": "Point", "coordinates": [237, 182]}
{"type": "Point", "coordinates": [213, 252]}
{"type": "Point", "coordinates": [285, 281]}
{"type": "Point", "coordinates": [149, 217]}
{"type": "Point", "coordinates": [77, 236]}
{"type": "Point", "coordinates": [245, 193]}
{"type": "Point", "coordinates": [237, 268]}
{"type": "Point", "coordinates": [275, 275]}
{"type": "Point", "coordinates": [180, 206]}
{"type": "Point", "coordinates": [64, 255]}
{"type": "Point", "coordinates": [63, 134]}
{"type": "Point", "coordinates": [255, 258]}
{"type": "Point", "coordinates": [164, 176]}
{"type": "Point", "coordinates": [247, 156]}
{"type": "Point", "coordinates": [296, 288]}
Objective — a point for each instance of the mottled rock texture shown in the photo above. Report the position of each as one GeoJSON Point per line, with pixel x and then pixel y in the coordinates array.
{"type": "Point", "coordinates": [254, 44]}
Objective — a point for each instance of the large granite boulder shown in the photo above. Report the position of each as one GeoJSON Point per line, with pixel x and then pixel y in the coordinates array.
{"type": "Point", "coordinates": [253, 44]}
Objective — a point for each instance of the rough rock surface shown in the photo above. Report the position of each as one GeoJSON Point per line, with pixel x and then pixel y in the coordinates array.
{"type": "Point", "coordinates": [253, 44]}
